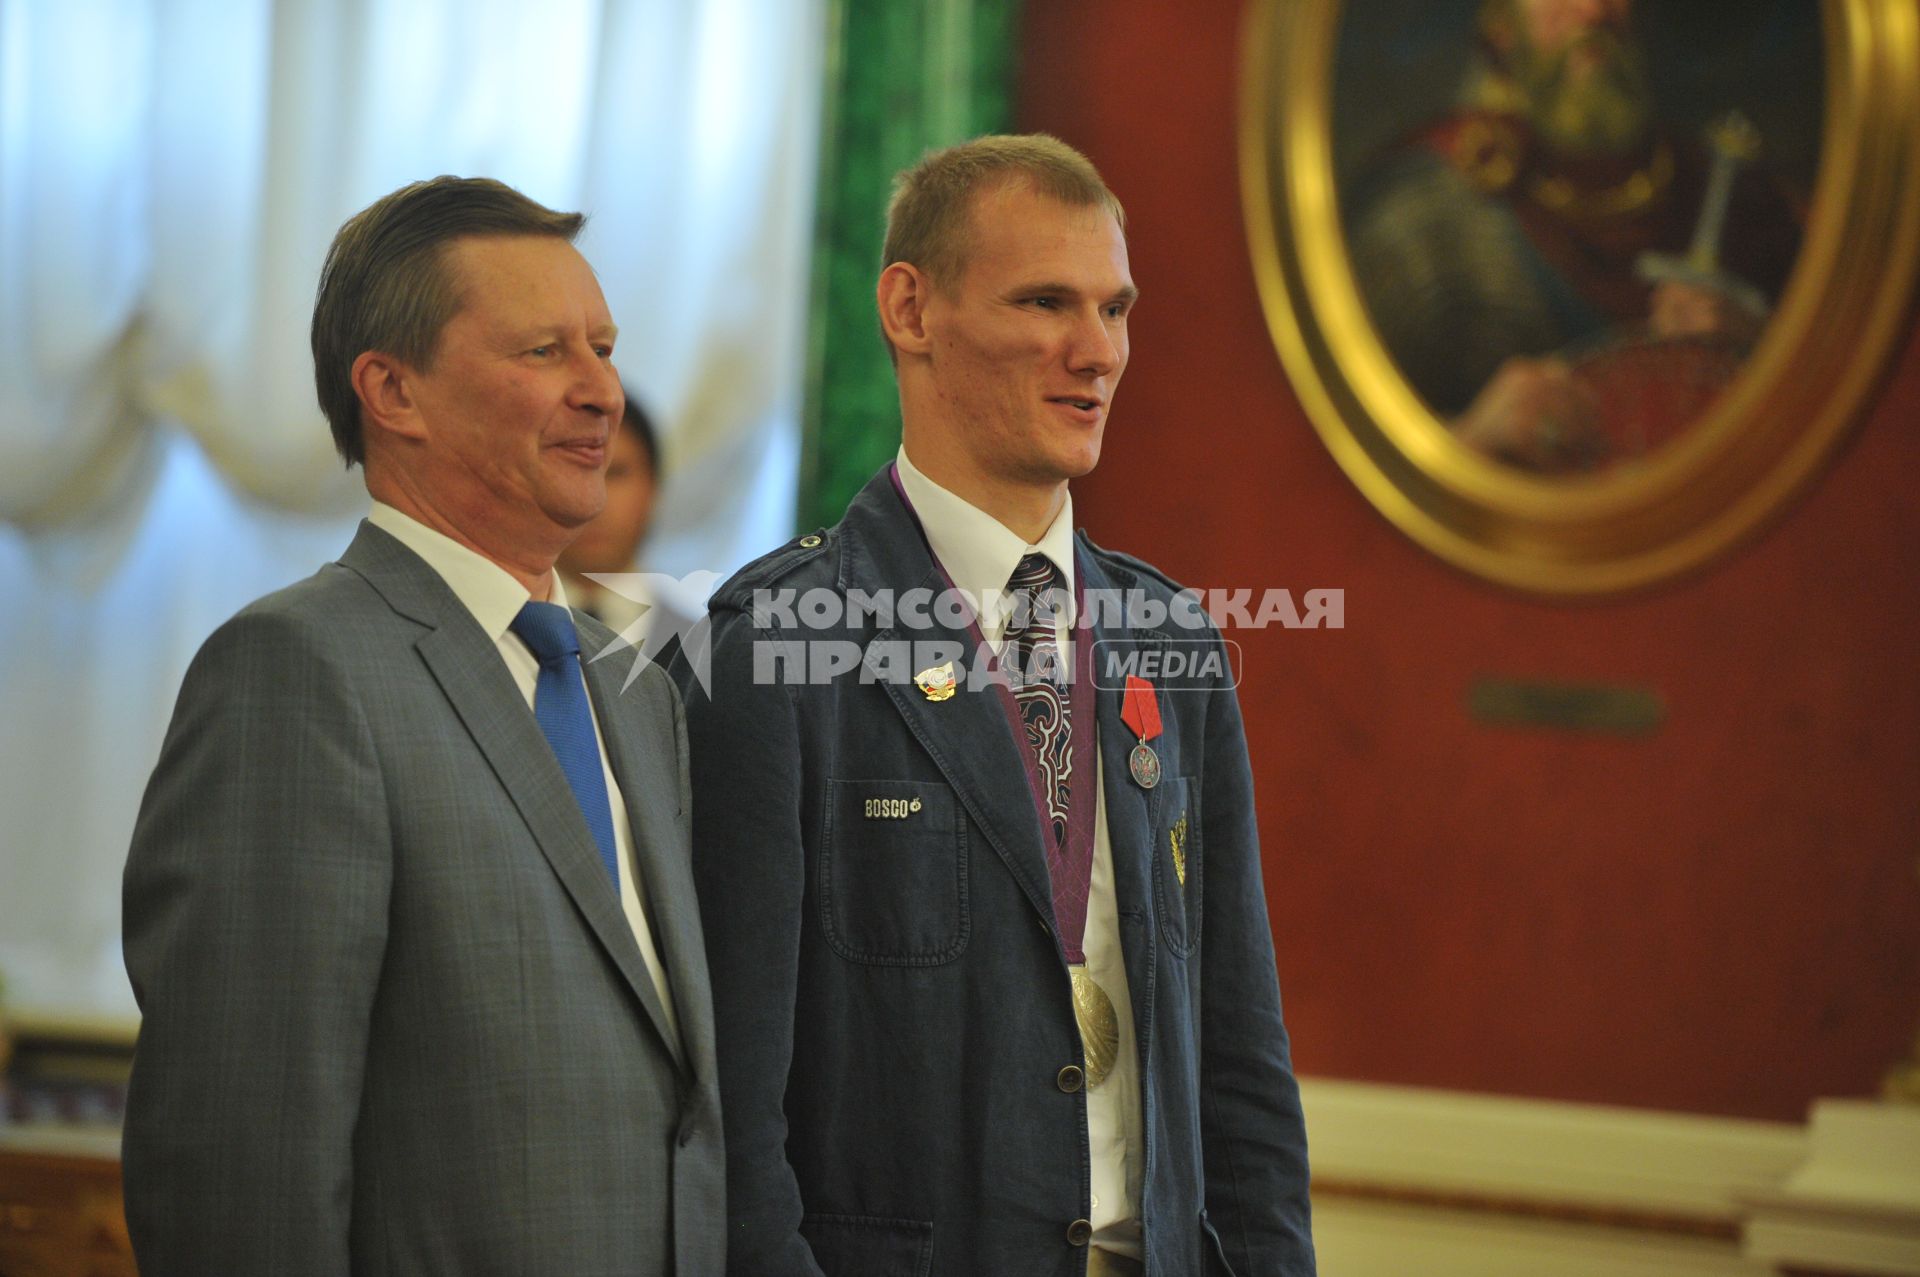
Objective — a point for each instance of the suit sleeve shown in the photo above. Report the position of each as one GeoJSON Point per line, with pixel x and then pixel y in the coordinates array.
{"type": "Point", "coordinates": [1251, 1126]}
{"type": "Point", "coordinates": [255, 913]}
{"type": "Point", "coordinates": [748, 862]}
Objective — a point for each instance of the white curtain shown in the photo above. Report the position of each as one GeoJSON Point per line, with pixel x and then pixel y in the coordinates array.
{"type": "Point", "coordinates": [171, 173]}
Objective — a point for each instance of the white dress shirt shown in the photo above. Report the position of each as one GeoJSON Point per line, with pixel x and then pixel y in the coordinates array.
{"type": "Point", "coordinates": [980, 553]}
{"type": "Point", "coordinates": [494, 598]}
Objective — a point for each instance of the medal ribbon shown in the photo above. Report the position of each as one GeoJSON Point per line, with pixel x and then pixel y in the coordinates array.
{"type": "Point", "coordinates": [1140, 708]}
{"type": "Point", "coordinates": [1062, 778]}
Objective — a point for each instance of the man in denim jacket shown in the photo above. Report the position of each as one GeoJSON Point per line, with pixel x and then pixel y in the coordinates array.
{"type": "Point", "coordinates": [979, 875]}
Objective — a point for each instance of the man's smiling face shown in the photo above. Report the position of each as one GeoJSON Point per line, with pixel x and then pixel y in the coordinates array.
{"type": "Point", "coordinates": [1028, 344]}
{"type": "Point", "coordinates": [522, 397]}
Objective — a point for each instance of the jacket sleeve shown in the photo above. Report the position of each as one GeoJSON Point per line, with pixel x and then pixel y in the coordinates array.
{"type": "Point", "coordinates": [1254, 1139]}
{"type": "Point", "coordinates": [255, 919]}
{"type": "Point", "coordinates": [749, 869]}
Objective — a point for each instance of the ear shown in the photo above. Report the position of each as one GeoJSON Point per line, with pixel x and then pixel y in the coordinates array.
{"type": "Point", "coordinates": [384, 386]}
{"type": "Point", "coordinates": [903, 294]}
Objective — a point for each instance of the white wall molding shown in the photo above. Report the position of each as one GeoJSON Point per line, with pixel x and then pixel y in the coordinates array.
{"type": "Point", "coordinates": [1358, 1238]}
{"type": "Point", "coordinates": [1606, 1159]}
{"type": "Point", "coordinates": [1854, 1205]}
{"type": "Point", "coordinates": [1444, 1183]}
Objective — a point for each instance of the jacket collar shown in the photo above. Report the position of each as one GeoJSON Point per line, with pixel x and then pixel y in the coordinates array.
{"type": "Point", "coordinates": [969, 736]}
{"type": "Point", "coordinates": [464, 660]}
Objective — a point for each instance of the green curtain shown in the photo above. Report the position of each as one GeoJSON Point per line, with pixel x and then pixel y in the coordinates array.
{"type": "Point", "coordinates": [902, 77]}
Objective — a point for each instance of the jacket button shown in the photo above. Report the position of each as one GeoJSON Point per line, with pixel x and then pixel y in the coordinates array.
{"type": "Point", "coordinates": [687, 1132]}
{"type": "Point", "coordinates": [1070, 1078]}
{"type": "Point", "coordinates": [1079, 1233]}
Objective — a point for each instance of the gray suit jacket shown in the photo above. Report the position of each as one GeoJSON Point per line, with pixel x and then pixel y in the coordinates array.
{"type": "Point", "coordinates": [395, 1021]}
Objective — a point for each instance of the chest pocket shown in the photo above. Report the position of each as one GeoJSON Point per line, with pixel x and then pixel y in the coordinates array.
{"type": "Point", "coordinates": [1178, 865]}
{"type": "Point", "coordinates": [893, 873]}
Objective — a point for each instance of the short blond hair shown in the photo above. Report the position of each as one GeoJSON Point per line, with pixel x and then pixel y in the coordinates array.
{"type": "Point", "coordinates": [929, 221]}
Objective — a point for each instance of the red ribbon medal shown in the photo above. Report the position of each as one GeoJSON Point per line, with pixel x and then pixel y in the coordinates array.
{"type": "Point", "coordinates": [1140, 710]}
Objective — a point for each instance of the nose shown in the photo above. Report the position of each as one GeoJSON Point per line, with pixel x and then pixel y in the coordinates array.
{"type": "Point", "coordinates": [596, 385]}
{"type": "Point", "coordinates": [1100, 344]}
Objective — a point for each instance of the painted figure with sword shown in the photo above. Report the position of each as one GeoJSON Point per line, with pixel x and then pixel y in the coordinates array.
{"type": "Point", "coordinates": [1564, 277]}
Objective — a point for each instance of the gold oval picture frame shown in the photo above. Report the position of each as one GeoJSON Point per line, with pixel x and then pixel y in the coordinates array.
{"type": "Point", "coordinates": [1583, 459]}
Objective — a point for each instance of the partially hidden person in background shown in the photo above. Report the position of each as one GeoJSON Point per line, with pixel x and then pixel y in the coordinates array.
{"type": "Point", "coordinates": [602, 568]}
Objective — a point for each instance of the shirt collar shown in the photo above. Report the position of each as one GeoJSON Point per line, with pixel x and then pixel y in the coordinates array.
{"type": "Point", "coordinates": [978, 551]}
{"type": "Point", "coordinates": [486, 589]}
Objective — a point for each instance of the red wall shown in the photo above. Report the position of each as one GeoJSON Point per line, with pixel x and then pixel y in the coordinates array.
{"type": "Point", "coordinates": [1724, 917]}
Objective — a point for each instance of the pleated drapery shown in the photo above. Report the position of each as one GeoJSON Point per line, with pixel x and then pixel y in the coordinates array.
{"type": "Point", "coordinates": [171, 173]}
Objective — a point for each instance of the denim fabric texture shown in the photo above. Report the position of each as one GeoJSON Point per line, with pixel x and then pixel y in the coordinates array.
{"type": "Point", "coordinates": [892, 1002]}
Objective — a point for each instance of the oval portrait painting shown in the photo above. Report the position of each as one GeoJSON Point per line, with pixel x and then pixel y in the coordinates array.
{"type": "Point", "coordinates": [1563, 282]}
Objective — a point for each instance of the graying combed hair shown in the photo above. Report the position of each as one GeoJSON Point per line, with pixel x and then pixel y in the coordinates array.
{"type": "Point", "coordinates": [385, 285]}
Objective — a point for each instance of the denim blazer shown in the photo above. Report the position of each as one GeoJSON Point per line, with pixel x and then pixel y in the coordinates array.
{"type": "Point", "coordinates": [892, 1005]}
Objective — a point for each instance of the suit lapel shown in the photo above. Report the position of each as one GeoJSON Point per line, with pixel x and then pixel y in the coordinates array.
{"type": "Point", "coordinates": [650, 786]}
{"type": "Point", "coordinates": [467, 665]}
{"type": "Point", "coordinates": [1130, 809]}
{"type": "Point", "coordinates": [969, 736]}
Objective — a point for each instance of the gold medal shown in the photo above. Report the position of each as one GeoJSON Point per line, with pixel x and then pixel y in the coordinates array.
{"type": "Point", "coordinates": [1099, 1025]}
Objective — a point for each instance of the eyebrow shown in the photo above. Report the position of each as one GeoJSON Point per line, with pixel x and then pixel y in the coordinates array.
{"type": "Point", "coordinates": [542, 333]}
{"type": "Point", "coordinates": [1128, 294]}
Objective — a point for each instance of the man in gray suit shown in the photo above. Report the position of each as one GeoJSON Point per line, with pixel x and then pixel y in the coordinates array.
{"type": "Point", "coordinates": [408, 909]}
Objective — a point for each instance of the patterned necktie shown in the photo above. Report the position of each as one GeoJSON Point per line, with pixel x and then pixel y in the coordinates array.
{"type": "Point", "coordinates": [1046, 712]}
{"type": "Point", "coordinates": [560, 707]}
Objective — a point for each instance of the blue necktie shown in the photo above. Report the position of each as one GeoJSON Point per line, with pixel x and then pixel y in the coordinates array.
{"type": "Point", "coordinates": [560, 707]}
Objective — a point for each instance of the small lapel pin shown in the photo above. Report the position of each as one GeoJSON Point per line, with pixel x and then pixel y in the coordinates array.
{"type": "Point", "coordinates": [1177, 837]}
{"type": "Point", "coordinates": [936, 681]}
